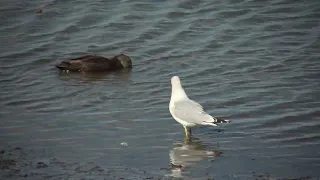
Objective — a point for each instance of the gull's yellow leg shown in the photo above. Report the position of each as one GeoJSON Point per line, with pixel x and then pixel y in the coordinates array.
{"type": "Point", "coordinates": [187, 131]}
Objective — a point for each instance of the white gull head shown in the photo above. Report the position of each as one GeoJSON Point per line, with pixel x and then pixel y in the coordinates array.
{"type": "Point", "coordinates": [177, 92]}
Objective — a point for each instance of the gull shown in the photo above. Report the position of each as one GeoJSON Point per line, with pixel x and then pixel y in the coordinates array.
{"type": "Point", "coordinates": [188, 112]}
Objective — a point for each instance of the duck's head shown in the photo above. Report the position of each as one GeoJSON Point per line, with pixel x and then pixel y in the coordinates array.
{"type": "Point", "coordinates": [124, 60]}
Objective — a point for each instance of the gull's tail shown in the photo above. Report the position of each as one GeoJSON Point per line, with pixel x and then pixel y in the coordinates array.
{"type": "Point", "coordinates": [220, 120]}
{"type": "Point", "coordinates": [215, 121]}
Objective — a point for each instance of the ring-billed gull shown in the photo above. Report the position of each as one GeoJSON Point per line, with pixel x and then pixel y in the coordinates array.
{"type": "Point", "coordinates": [188, 112]}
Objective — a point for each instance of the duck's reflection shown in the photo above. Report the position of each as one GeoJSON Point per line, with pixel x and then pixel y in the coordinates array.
{"type": "Point", "coordinates": [187, 153]}
{"type": "Point", "coordinates": [122, 75]}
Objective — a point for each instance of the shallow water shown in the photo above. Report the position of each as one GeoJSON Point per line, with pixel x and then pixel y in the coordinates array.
{"type": "Point", "coordinates": [253, 62]}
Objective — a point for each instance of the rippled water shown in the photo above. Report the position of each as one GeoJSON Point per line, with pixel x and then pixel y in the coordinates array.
{"type": "Point", "coordinates": [254, 62]}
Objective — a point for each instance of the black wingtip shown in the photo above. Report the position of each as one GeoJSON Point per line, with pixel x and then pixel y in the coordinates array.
{"type": "Point", "coordinates": [220, 120]}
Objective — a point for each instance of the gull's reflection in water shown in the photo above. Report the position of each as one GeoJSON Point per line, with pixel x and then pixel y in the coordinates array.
{"type": "Point", "coordinates": [187, 153]}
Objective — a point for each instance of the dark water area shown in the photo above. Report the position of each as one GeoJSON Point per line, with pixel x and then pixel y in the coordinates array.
{"type": "Point", "coordinates": [254, 62]}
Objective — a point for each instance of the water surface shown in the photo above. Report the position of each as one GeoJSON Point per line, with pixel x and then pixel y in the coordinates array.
{"type": "Point", "coordinates": [253, 62]}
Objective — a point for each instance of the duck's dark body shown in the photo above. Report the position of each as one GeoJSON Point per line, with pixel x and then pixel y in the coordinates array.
{"type": "Point", "coordinates": [93, 63]}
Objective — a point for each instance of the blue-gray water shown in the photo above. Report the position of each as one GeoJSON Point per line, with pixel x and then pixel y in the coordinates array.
{"type": "Point", "coordinates": [254, 62]}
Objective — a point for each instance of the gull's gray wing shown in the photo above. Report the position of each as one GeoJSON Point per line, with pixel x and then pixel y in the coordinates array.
{"type": "Point", "coordinates": [196, 104]}
{"type": "Point", "coordinates": [192, 112]}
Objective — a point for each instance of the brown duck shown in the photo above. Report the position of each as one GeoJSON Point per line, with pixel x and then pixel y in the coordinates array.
{"type": "Point", "coordinates": [93, 63]}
